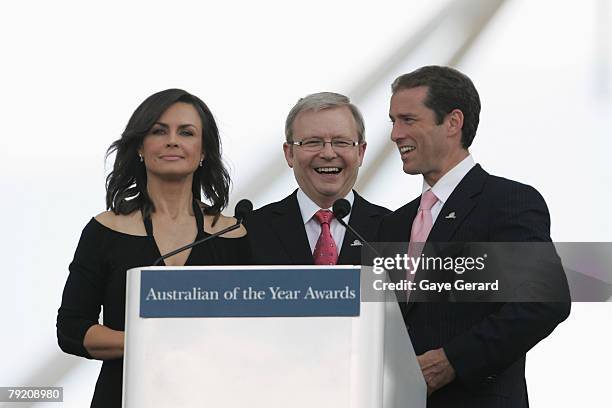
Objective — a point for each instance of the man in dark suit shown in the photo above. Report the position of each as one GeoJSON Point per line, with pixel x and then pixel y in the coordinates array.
{"type": "Point", "coordinates": [471, 354]}
{"type": "Point", "coordinates": [325, 145]}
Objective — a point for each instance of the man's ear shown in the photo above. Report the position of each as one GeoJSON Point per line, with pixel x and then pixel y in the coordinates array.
{"type": "Point", "coordinates": [454, 122]}
{"type": "Point", "coordinates": [362, 149]}
{"type": "Point", "coordinates": [288, 150]}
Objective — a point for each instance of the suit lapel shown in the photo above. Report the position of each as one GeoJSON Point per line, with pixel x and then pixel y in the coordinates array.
{"type": "Point", "coordinates": [396, 226]}
{"type": "Point", "coordinates": [288, 225]}
{"type": "Point", "coordinates": [403, 230]}
{"type": "Point", "coordinates": [361, 221]}
{"type": "Point", "coordinates": [400, 232]}
{"type": "Point", "coordinates": [458, 206]}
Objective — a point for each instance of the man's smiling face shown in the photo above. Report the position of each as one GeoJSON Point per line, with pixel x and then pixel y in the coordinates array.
{"type": "Point", "coordinates": [423, 144]}
{"type": "Point", "coordinates": [328, 174]}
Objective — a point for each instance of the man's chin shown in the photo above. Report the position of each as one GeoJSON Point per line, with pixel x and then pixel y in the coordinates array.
{"type": "Point", "coordinates": [328, 196]}
{"type": "Point", "coordinates": [411, 170]}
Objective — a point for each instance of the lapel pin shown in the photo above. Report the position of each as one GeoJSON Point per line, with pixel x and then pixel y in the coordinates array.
{"type": "Point", "coordinates": [356, 243]}
{"type": "Point", "coordinates": [451, 216]}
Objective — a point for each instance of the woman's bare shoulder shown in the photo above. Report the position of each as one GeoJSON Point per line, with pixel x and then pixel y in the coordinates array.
{"type": "Point", "coordinates": [130, 224]}
{"type": "Point", "coordinates": [222, 223]}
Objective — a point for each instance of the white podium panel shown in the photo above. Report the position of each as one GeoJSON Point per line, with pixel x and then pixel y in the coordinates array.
{"type": "Point", "coordinates": [340, 362]}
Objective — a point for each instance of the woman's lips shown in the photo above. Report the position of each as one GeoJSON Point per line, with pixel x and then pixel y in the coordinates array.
{"type": "Point", "coordinates": [171, 158]}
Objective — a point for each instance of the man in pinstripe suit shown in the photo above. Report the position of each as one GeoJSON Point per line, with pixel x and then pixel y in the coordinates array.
{"type": "Point", "coordinates": [471, 354]}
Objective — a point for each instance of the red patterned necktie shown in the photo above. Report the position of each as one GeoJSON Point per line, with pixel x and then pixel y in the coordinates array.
{"type": "Point", "coordinates": [325, 252]}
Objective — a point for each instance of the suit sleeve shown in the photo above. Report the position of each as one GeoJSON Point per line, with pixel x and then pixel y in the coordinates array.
{"type": "Point", "coordinates": [514, 328]}
{"type": "Point", "coordinates": [83, 293]}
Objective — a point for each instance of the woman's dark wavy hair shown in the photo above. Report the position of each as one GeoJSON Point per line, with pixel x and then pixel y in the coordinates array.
{"type": "Point", "coordinates": [126, 185]}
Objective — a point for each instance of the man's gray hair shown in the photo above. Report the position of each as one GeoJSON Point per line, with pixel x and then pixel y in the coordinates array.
{"type": "Point", "coordinates": [320, 101]}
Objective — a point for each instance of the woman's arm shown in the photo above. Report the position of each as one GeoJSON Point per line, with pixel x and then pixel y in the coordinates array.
{"type": "Point", "coordinates": [103, 343]}
{"type": "Point", "coordinates": [83, 297]}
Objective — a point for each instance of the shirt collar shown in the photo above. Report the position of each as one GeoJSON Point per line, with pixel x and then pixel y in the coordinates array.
{"type": "Point", "coordinates": [308, 208]}
{"type": "Point", "coordinates": [447, 184]}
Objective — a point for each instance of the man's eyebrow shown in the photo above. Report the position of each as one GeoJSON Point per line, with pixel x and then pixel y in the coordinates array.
{"type": "Point", "coordinates": [403, 116]}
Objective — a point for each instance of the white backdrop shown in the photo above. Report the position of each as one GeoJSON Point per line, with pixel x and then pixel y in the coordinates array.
{"type": "Point", "coordinates": [72, 74]}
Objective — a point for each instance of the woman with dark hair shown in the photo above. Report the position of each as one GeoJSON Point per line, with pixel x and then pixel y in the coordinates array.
{"type": "Point", "coordinates": [169, 153]}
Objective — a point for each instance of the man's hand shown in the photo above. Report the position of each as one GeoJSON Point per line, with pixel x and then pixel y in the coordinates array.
{"type": "Point", "coordinates": [436, 369]}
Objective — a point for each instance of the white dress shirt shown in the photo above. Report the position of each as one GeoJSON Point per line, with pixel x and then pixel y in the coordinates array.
{"type": "Point", "coordinates": [447, 184]}
{"type": "Point", "coordinates": [313, 229]}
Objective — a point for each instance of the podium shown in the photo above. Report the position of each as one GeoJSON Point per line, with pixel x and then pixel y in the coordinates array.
{"type": "Point", "coordinates": [271, 336]}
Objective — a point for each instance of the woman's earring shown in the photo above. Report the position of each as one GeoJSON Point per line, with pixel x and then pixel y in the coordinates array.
{"type": "Point", "coordinates": [201, 161]}
{"type": "Point", "coordinates": [142, 158]}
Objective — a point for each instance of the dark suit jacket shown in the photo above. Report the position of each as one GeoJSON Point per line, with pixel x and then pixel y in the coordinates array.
{"type": "Point", "coordinates": [277, 235]}
{"type": "Point", "coordinates": [485, 342]}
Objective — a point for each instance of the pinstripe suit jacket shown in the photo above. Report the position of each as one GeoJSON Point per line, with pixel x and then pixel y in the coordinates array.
{"type": "Point", "coordinates": [485, 342]}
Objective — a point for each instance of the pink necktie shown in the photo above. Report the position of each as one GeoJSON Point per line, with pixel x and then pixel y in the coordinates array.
{"type": "Point", "coordinates": [421, 226]}
{"type": "Point", "coordinates": [325, 252]}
